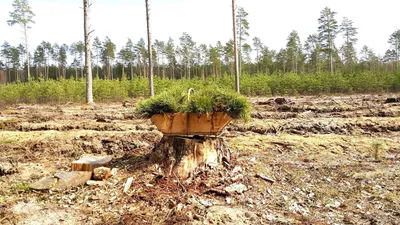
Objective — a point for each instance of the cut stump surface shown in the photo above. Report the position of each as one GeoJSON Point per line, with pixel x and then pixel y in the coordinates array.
{"type": "Point", "coordinates": [90, 162]}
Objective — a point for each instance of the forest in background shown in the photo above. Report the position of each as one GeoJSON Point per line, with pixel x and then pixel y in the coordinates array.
{"type": "Point", "coordinates": [73, 90]}
{"type": "Point", "coordinates": [316, 65]}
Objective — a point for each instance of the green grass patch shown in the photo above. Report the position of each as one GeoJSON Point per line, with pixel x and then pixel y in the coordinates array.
{"type": "Point", "coordinates": [8, 141]}
{"type": "Point", "coordinates": [22, 187]}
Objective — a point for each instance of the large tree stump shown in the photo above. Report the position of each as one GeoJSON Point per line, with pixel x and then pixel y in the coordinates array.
{"type": "Point", "coordinates": [180, 156]}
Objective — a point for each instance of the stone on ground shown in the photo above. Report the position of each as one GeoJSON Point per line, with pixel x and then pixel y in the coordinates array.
{"type": "Point", "coordinates": [72, 179]}
{"type": "Point", "coordinates": [101, 173]}
{"type": "Point", "coordinates": [46, 183]}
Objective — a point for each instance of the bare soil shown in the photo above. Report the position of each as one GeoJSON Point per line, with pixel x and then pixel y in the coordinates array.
{"type": "Point", "coordinates": [331, 159]}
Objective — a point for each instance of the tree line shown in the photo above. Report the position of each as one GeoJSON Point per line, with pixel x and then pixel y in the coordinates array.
{"type": "Point", "coordinates": [185, 58]}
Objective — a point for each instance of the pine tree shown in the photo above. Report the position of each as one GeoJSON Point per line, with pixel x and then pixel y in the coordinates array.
{"type": "Point", "coordinates": [188, 47]}
{"type": "Point", "coordinates": [327, 32]}
{"type": "Point", "coordinates": [394, 52]}
{"type": "Point", "coordinates": [349, 33]}
{"type": "Point", "coordinates": [23, 16]}
{"type": "Point", "coordinates": [98, 48]}
{"type": "Point", "coordinates": [242, 26]}
{"type": "Point", "coordinates": [294, 54]}
{"type": "Point", "coordinates": [258, 45]}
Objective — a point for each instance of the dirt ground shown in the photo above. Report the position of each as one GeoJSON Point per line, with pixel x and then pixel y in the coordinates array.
{"type": "Point", "coordinates": [331, 159]}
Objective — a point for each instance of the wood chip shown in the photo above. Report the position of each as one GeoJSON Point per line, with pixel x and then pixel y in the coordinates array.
{"type": "Point", "coordinates": [128, 184]}
{"type": "Point", "coordinates": [265, 178]}
{"type": "Point", "coordinates": [95, 183]}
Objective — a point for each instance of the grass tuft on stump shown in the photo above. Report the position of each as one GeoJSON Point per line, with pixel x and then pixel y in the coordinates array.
{"type": "Point", "coordinates": [204, 100]}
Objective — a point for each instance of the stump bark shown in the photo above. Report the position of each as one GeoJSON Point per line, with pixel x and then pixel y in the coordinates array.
{"type": "Point", "coordinates": [180, 156]}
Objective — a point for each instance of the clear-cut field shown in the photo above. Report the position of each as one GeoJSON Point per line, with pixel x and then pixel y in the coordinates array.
{"type": "Point", "coordinates": [333, 160]}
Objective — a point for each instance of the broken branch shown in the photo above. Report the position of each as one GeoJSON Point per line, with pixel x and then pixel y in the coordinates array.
{"type": "Point", "coordinates": [265, 178]}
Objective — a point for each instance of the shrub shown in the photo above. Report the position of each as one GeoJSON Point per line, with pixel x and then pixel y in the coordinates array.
{"type": "Point", "coordinates": [44, 91]}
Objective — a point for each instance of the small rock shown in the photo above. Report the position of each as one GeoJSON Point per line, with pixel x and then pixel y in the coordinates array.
{"type": "Point", "coordinates": [101, 173]}
{"type": "Point", "coordinates": [269, 217]}
{"type": "Point", "coordinates": [237, 169]}
{"type": "Point", "coordinates": [333, 204]}
{"type": "Point", "coordinates": [205, 203]}
{"type": "Point", "coordinates": [114, 172]}
{"type": "Point", "coordinates": [95, 183]}
{"type": "Point", "coordinates": [179, 207]}
{"type": "Point", "coordinates": [7, 168]}
{"type": "Point", "coordinates": [250, 201]}
{"type": "Point", "coordinates": [228, 200]}
{"type": "Point", "coordinates": [238, 177]}
{"type": "Point", "coordinates": [236, 188]}
{"type": "Point", "coordinates": [148, 185]}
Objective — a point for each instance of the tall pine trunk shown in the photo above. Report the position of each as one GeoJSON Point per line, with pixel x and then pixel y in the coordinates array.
{"type": "Point", "coordinates": [27, 52]}
{"type": "Point", "coordinates": [131, 70]}
{"type": "Point", "coordinates": [235, 52]}
{"type": "Point", "coordinates": [88, 49]}
{"type": "Point", "coordinates": [151, 86]}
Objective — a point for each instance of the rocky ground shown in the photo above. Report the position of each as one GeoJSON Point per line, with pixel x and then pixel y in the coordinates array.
{"type": "Point", "coordinates": [325, 160]}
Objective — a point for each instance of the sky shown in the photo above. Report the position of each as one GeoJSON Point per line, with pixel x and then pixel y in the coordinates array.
{"type": "Point", "coordinates": [206, 21]}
